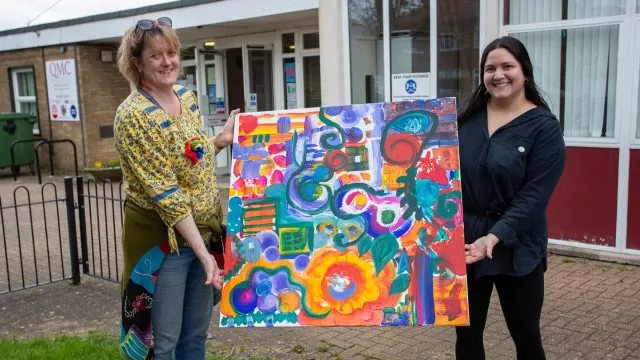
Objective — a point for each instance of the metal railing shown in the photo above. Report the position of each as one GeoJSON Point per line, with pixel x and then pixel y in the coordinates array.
{"type": "Point", "coordinates": [36, 238]}
{"type": "Point", "coordinates": [50, 144]}
{"type": "Point", "coordinates": [59, 231]}
{"type": "Point", "coordinates": [102, 207]}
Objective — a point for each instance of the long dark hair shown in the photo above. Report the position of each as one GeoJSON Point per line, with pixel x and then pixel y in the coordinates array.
{"type": "Point", "coordinates": [480, 97]}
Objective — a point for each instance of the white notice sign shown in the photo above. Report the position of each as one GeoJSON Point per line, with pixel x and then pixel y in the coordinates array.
{"type": "Point", "coordinates": [62, 90]}
{"type": "Point", "coordinates": [253, 102]}
{"type": "Point", "coordinates": [410, 86]}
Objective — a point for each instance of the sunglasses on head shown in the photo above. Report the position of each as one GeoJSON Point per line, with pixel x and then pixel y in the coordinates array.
{"type": "Point", "coordinates": [146, 24]}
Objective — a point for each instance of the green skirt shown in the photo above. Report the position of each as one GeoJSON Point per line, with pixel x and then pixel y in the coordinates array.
{"type": "Point", "coordinates": [145, 244]}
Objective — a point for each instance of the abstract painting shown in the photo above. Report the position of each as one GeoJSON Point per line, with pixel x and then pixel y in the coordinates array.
{"type": "Point", "coordinates": [346, 216]}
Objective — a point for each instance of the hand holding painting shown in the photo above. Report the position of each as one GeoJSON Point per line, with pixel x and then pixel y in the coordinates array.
{"type": "Point", "coordinates": [225, 137]}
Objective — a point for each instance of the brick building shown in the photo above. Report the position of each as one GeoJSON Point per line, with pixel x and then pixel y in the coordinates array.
{"type": "Point", "coordinates": [100, 90]}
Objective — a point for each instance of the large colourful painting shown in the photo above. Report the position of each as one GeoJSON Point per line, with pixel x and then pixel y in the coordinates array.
{"type": "Point", "coordinates": [346, 215]}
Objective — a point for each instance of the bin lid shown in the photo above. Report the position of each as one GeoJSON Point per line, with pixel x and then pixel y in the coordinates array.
{"type": "Point", "coordinates": [18, 116]}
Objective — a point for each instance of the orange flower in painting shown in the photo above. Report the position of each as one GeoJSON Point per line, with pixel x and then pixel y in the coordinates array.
{"type": "Point", "coordinates": [346, 285]}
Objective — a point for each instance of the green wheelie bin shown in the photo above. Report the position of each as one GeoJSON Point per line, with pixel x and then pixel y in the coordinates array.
{"type": "Point", "coordinates": [13, 127]}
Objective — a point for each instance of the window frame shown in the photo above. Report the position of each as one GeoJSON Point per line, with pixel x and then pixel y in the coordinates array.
{"type": "Point", "coordinates": [624, 37]}
{"type": "Point", "coordinates": [386, 45]}
{"type": "Point", "coordinates": [301, 53]}
{"type": "Point", "coordinates": [298, 55]}
{"type": "Point", "coordinates": [17, 99]}
{"type": "Point", "coordinates": [626, 108]}
{"type": "Point", "coordinates": [503, 16]}
{"type": "Point", "coordinates": [634, 142]}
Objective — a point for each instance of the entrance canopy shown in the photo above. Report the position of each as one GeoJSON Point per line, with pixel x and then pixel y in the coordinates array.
{"type": "Point", "coordinates": [196, 19]}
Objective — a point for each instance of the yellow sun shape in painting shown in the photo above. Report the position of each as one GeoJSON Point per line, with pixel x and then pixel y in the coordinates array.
{"type": "Point", "coordinates": [342, 281]}
{"type": "Point", "coordinates": [346, 285]}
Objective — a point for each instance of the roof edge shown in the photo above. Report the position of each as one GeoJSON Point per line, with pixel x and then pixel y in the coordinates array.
{"type": "Point", "coordinates": [107, 16]}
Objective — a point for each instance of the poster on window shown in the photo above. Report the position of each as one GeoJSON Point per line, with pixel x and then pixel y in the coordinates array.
{"type": "Point", "coordinates": [62, 90]}
{"type": "Point", "coordinates": [292, 98]}
{"type": "Point", "coordinates": [410, 86]}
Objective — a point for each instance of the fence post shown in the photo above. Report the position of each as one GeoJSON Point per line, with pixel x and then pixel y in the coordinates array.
{"type": "Point", "coordinates": [71, 224]}
{"type": "Point", "coordinates": [83, 225]}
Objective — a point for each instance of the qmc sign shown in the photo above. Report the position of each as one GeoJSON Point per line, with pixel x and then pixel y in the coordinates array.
{"type": "Point", "coordinates": [62, 90]}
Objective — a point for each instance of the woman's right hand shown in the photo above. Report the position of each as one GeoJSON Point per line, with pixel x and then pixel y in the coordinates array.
{"type": "Point", "coordinates": [188, 229]}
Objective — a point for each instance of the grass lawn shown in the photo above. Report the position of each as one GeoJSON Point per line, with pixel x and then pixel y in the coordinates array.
{"type": "Point", "coordinates": [94, 346]}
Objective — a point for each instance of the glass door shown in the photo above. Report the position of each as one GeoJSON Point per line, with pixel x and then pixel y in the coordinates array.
{"type": "Point", "coordinates": [412, 49]}
{"type": "Point", "coordinates": [258, 77]}
{"type": "Point", "coordinates": [212, 102]}
{"type": "Point", "coordinates": [187, 77]}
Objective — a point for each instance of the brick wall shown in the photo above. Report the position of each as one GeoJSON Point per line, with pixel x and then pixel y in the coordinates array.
{"type": "Point", "coordinates": [101, 88]}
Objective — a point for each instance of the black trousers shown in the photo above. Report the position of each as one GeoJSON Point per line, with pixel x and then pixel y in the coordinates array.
{"type": "Point", "coordinates": [521, 300]}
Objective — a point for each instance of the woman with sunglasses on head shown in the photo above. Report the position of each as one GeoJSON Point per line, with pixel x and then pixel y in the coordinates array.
{"type": "Point", "coordinates": [172, 209]}
{"type": "Point", "coordinates": [512, 155]}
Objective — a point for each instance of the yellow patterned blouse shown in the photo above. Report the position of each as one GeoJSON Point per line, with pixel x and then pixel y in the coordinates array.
{"type": "Point", "coordinates": [158, 175]}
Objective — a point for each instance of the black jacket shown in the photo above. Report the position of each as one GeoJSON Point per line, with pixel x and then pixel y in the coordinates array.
{"type": "Point", "coordinates": [507, 180]}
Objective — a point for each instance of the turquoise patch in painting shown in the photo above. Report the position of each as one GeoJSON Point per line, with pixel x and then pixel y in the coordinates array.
{"type": "Point", "coordinates": [427, 192]}
{"type": "Point", "coordinates": [236, 212]}
{"type": "Point", "coordinates": [322, 174]}
{"type": "Point", "coordinates": [441, 235]}
{"type": "Point", "coordinates": [412, 122]}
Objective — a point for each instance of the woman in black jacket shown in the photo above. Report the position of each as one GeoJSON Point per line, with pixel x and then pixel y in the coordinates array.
{"type": "Point", "coordinates": [512, 154]}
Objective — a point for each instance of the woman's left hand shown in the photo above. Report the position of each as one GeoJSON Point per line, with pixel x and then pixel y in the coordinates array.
{"type": "Point", "coordinates": [225, 137]}
{"type": "Point", "coordinates": [481, 248]}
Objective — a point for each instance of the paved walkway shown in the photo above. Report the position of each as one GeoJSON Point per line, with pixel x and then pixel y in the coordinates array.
{"type": "Point", "coordinates": [591, 312]}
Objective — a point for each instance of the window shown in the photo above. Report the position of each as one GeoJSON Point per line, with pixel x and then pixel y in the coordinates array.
{"type": "Point", "coordinates": [637, 33]}
{"type": "Point", "coordinates": [301, 69]}
{"type": "Point", "coordinates": [312, 94]}
{"type": "Point", "coordinates": [24, 94]}
{"type": "Point", "coordinates": [289, 70]}
{"type": "Point", "coordinates": [290, 90]}
{"type": "Point", "coordinates": [311, 41]}
{"type": "Point", "coordinates": [527, 11]}
{"type": "Point", "coordinates": [638, 115]}
{"type": "Point", "coordinates": [210, 76]}
{"type": "Point", "coordinates": [288, 43]}
{"type": "Point", "coordinates": [458, 49]}
{"type": "Point", "coordinates": [366, 51]}
{"type": "Point", "coordinates": [577, 72]}
{"type": "Point", "coordinates": [576, 67]}
{"type": "Point", "coordinates": [409, 26]}
{"type": "Point", "coordinates": [426, 51]}
{"type": "Point", "coordinates": [187, 77]}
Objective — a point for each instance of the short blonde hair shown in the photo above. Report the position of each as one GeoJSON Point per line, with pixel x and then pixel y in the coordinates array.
{"type": "Point", "coordinates": [132, 44]}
